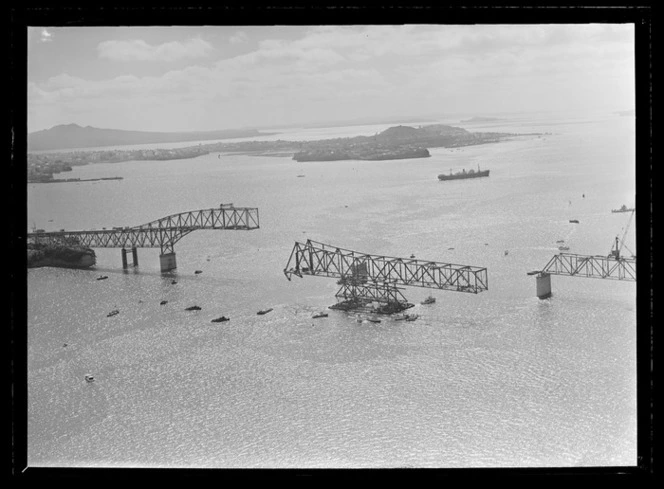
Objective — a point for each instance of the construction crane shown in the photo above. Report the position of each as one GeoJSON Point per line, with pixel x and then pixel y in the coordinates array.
{"type": "Point", "coordinates": [368, 278]}
{"type": "Point", "coordinates": [613, 266]}
{"type": "Point", "coordinates": [620, 244]}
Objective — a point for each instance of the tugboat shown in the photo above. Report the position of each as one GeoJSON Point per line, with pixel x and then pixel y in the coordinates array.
{"type": "Point", "coordinates": [464, 174]}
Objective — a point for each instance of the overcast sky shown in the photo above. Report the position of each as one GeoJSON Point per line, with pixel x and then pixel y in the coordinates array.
{"type": "Point", "coordinates": [207, 78]}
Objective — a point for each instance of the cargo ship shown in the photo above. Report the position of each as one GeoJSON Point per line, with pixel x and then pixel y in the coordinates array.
{"type": "Point", "coordinates": [464, 174]}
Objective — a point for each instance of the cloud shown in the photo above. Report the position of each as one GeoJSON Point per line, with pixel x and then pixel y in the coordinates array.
{"type": "Point", "coordinates": [139, 50]}
{"type": "Point", "coordinates": [45, 36]}
{"type": "Point", "coordinates": [238, 38]}
{"type": "Point", "coordinates": [354, 69]}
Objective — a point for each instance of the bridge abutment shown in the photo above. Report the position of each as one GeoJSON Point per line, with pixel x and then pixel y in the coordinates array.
{"type": "Point", "coordinates": [123, 251]}
{"type": "Point", "coordinates": [167, 261]}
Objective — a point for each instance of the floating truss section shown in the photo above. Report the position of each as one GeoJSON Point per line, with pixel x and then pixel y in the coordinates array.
{"type": "Point", "coordinates": [366, 278]}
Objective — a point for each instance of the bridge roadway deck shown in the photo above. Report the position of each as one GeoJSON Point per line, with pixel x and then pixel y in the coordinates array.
{"type": "Point", "coordinates": [162, 233]}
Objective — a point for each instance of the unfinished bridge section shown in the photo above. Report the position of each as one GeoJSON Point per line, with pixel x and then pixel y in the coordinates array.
{"type": "Point", "coordinates": [162, 233]}
{"type": "Point", "coordinates": [366, 278]}
{"type": "Point", "coordinates": [572, 265]}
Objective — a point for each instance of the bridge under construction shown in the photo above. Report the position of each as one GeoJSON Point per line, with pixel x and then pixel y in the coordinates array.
{"type": "Point", "coordinates": [572, 265]}
{"type": "Point", "coordinates": [368, 278]}
{"type": "Point", "coordinates": [614, 266]}
{"type": "Point", "coordinates": [162, 233]}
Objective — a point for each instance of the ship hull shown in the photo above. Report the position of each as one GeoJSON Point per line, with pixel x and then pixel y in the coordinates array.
{"type": "Point", "coordinates": [463, 176]}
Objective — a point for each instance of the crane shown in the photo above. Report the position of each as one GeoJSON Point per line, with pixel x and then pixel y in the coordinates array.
{"type": "Point", "coordinates": [620, 244]}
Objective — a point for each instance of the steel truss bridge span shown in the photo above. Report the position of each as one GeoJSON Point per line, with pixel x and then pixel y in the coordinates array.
{"type": "Point", "coordinates": [592, 267]}
{"type": "Point", "coordinates": [366, 278]}
{"type": "Point", "coordinates": [572, 265]}
{"type": "Point", "coordinates": [162, 233]}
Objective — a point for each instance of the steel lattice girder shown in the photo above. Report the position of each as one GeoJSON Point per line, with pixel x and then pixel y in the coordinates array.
{"type": "Point", "coordinates": [162, 233]}
{"type": "Point", "coordinates": [371, 292]}
{"type": "Point", "coordinates": [312, 258]}
{"type": "Point", "coordinates": [592, 267]}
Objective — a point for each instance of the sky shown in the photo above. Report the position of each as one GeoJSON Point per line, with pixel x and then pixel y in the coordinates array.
{"type": "Point", "coordinates": [227, 77]}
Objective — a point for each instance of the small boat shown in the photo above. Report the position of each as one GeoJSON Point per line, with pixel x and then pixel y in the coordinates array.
{"type": "Point", "coordinates": [412, 256]}
{"type": "Point", "coordinates": [373, 320]}
{"type": "Point", "coordinates": [320, 315]}
{"type": "Point", "coordinates": [534, 272]}
{"type": "Point", "coordinates": [173, 282]}
{"type": "Point", "coordinates": [623, 208]}
{"type": "Point", "coordinates": [300, 176]}
{"type": "Point", "coordinates": [574, 221]}
{"type": "Point", "coordinates": [264, 311]}
{"type": "Point", "coordinates": [563, 248]}
{"type": "Point", "coordinates": [89, 378]}
{"type": "Point", "coordinates": [560, 241]}
{"type": "Point", "coordinates": [102, 277]}
{"type": "Point", "coordinates": [112, 313]}
{"type": "Point", "coordinates": [411, 317]}
{"type": "Point", "coordinates": [193, 308]}
{"type": "Point", "coordinates": [221, 319]}
{"type": "Point", "coordinates": [163, 302]}
{"type": "Point", "coordinates": [429, 300]}
{"type": "Point", "coordinates": [198, 271]}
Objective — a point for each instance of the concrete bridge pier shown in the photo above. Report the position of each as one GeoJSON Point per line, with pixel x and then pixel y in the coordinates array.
{"type": "Point", "coordinates": [134, 256]}
{"type": "Point", "coordinates": [543, 282]}
{"type": "Point", "coordinates": [167, 261]}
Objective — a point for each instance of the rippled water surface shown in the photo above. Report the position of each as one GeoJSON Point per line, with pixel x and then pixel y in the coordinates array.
{"type": "Point", "coordinates": [500, 378]}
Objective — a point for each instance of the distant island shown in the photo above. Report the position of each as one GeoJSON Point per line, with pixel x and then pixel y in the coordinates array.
{"type": "Point", "coordinates": [398, 142]}
{"type": "Point", "coordinates": [70, 136]}
{"type": "Point", "coordinates": [482, 119]}
{"type": "Point", "coordinates": [395, 143]}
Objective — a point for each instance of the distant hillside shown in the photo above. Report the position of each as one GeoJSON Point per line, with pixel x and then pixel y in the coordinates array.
{"type": "Point", "coordinates": [71, 136]}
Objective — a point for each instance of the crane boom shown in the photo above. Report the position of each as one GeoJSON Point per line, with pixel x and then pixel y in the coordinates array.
{"type": "Point", "coordinates": [619, 244]}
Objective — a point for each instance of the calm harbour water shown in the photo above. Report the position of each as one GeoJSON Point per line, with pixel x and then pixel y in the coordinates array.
{"type": "Point", "coordinates": [497, 379]}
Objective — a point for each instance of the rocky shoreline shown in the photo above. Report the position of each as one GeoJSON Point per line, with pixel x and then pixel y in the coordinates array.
{"type": "Point", "coordinates": [63, 256]}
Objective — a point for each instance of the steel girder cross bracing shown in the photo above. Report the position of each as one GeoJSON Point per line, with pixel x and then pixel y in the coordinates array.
{"type": "Point", "coordinates": [374, 277]}
{"type": "Point", "coordinates": [592, 267]}
{"type": "Point", "coordinates": [162, 233]}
